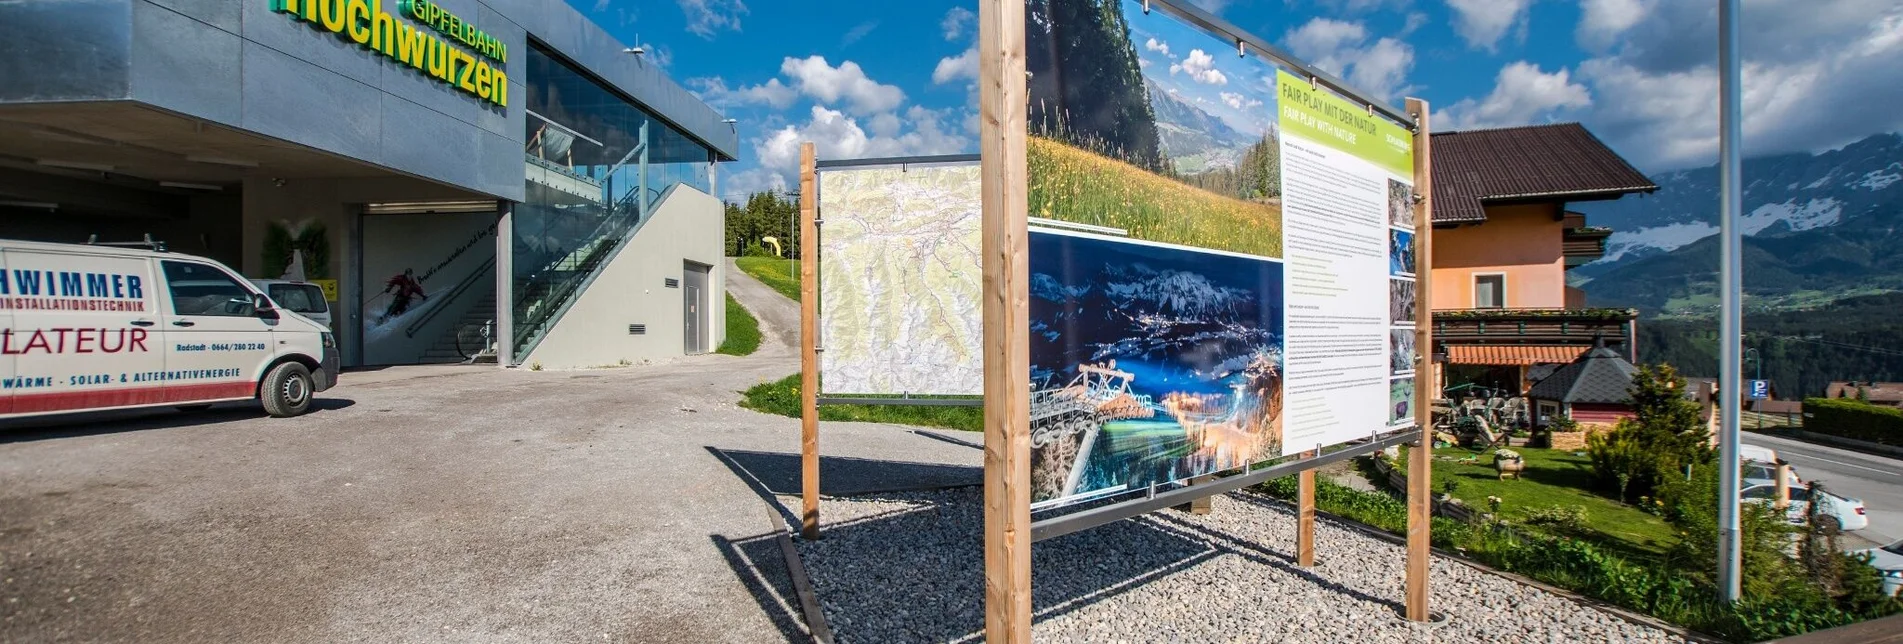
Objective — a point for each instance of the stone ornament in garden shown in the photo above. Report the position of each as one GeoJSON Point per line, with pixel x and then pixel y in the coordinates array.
{"type": "Point", "coordinates": [1509, 463]}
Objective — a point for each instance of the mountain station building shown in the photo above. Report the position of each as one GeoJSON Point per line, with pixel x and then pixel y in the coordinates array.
{"type": "Point", "coordinates": [466, 179]}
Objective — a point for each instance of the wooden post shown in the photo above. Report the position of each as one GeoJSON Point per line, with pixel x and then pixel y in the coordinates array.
{"type": "Point", "coordinates": [1202, 504]}
{"type": "Point", "coordinates": [1305, 517]}
{"type": "Point", "coordinates": [1420, 470]}
{"type": "Point", "coordinates": [809, 345]}
{"type": "Point", "coordinates": [1002, 121]}
{"type": "Point", "coordinates": [1783, 486]}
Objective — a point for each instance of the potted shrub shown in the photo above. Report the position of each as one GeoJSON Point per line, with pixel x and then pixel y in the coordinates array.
{"type": "Point", "coordinates": [1509, 463]}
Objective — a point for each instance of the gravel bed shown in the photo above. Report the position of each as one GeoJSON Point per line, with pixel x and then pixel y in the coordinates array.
{"type": "Point", "coordinates": [909, 568]}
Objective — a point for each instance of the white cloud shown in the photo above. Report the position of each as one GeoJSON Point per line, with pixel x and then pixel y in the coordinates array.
{"type": "Point", "coordinates": [1239, 101]}
{"type": "Point", "coordinates": [1361, 6]}
{"type": "Point", "coordinates": [714, 91]}
{"type": "Point", "coordinates": [1341, 47]}
{"type": "Point", "coordinates": [953, 68]}
{"type": "Point", "coordinates": [956, 21]}
{"type": "Point", "coordinates": [1522, 94]}
{"type": "Point", "coordinates": [737, 186]}
{"type": "Point", "coordinates": [847, 83]}
{"type": "Point", "coordinates": [1818, 74]}
{"type": "Point", "coordinates": [1482, 23]}
{"type": "Point", "coordinates": [1212, 6]}
{"type": "Point", "coordinates": [837, 135]}
{"type": "Point", "coordinates": [858, 32]}
{"type": "Point", "coordinates": [1602, 21]}
{"type": "Point", "coordinates": [1201, 67]}
{"type": "Point", "coordinates": [1158, 47]}
{"type": "Point", "coordinates": [708, 17]}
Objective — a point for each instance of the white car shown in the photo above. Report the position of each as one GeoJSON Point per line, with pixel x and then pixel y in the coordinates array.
{"type": "Point", "coordinates": [302, 298]}
{"type": "Point", "coordinates": [1888, 560]}
{"type": "Point", "coordinates": [1765, 473]}
{"type": "Point", "coordinates": [1847, 512]}
{"type": "Point", "coordinates": [97, 327]}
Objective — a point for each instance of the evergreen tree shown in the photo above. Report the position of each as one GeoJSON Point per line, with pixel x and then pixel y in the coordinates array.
{"type": "Point", "coordinates": [1086, 84]}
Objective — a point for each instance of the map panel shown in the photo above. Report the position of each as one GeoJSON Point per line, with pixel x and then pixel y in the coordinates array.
{"type": "Point", "coordinates": [899, 280]}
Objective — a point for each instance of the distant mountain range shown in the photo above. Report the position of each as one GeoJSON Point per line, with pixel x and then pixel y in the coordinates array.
{"type": "Point", "coordinates": [1819, 228]}
{"type": "Point", "coordinates": [1193, 139]}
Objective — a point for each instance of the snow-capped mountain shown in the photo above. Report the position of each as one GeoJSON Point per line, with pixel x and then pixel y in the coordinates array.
{"type": "Point", "coordinates": [1783, 194]}
{"type": "Point", "coordinates": [1817, 226]}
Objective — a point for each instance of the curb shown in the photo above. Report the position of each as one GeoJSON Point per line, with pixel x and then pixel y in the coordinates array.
{"type": "Point", "coordinates": [802, 585]}
{"type": "Point", "coordinates": [1826, 440]}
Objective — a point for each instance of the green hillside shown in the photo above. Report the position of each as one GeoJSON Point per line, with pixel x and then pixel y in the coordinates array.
{"type": "Point", "coordinates": [1859, 338]}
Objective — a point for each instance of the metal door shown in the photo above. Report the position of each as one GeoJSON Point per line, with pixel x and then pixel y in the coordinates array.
{"type": "Point", "coordinates": [691, 309]}
{"type": "Point", "coordinates": [695, 308]}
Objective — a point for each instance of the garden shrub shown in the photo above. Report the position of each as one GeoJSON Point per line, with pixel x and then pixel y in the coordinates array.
{"type": "Point", "coordinates": [1666, 435]}
{"type": "Point", "coordinates": [1855, 419]}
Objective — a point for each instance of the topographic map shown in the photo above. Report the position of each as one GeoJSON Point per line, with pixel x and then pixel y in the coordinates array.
{"type": "Point", "coordinates": [899, 291]}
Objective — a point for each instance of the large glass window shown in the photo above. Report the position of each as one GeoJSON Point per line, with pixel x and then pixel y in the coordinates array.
{"type": "Point", "coordinates": [596, 164]}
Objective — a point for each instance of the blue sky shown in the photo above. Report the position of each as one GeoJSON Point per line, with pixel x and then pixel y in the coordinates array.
{"type": "Point", "coordinates": [890, 77]}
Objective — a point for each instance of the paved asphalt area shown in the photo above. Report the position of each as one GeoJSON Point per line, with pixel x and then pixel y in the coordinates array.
{"type": "Point", "coordinates": [1877, 480]}
{"type": "Point", "coordinates": [468, 504]}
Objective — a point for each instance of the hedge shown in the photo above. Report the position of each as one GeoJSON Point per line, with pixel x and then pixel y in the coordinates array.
{"type": "Point", "coordinates": [1850, 418]}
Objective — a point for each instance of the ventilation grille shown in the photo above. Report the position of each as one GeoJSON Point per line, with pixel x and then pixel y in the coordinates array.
{"type": "Point", "coordinates": [673, 283]}
{"type": "Point", "coordinates": [637, 329]}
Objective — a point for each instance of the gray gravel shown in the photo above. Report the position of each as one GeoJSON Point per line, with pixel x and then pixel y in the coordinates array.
{"type": "Point", "coordinates": [908, 568]}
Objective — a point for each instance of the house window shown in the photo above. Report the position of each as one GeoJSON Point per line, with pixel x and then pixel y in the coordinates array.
{"type": "Point", "coordinates": [1490, 291]}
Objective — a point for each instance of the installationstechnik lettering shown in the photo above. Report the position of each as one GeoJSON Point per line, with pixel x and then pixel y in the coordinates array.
{"type": "Point", "coordinates": [365, 23]}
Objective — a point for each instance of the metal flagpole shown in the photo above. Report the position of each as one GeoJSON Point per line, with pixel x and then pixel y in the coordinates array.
{"type": "Point", "coordinates": [1730, 339]}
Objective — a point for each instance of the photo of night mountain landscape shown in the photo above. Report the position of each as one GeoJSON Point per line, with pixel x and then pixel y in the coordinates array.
{"type": "Point", "coordinates": [1149, 364]}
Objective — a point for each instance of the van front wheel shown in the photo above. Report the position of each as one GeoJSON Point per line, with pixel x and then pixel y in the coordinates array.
{"type": "Point", "coordinates": [286, 390]}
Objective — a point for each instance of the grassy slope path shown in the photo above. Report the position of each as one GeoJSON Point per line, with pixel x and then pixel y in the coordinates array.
{"type": "Point", "coordinates": [779, 316]}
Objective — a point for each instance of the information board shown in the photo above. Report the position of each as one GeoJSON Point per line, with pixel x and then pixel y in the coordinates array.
{"type": "Point", "coordinates": [1222, 256]}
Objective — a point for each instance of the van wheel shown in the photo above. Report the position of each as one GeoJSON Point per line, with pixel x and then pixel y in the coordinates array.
{"type": "Point", "coordinates": [286, 390]}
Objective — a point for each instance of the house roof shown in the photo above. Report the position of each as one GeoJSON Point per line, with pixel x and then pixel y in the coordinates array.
{"type": "Point", "coordinates": [1878, 392]}
{"type": "Point", "coordinates": [1600, 376]}
{"type": "Point", "coordinates": [1559, 161]}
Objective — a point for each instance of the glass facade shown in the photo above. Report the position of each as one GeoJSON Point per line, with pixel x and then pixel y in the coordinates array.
{"type": "Point", "coordinates": [596, 165]}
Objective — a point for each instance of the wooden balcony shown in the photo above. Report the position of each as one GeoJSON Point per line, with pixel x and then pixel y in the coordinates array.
{"type": "Point", "coordinates": [1584, 244]}
{"type": "Point", "coordinates": [1535, 326]}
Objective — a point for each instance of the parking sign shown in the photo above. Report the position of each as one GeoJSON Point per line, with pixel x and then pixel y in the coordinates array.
{"type": "Point", "coordinates": [1760, 389]}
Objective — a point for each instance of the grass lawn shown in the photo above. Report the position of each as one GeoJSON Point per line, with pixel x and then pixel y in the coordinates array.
{"type": "Point", "coordinates": [1552, 478]}
{"type": "Point", "coordinates": [743, 332]}
{"type": "Point", "coordinates": [1074, 185]}
{"type": "Point", "coordinates": [781, 274]}
{"type": "Point", "coordinates": [783, 398]}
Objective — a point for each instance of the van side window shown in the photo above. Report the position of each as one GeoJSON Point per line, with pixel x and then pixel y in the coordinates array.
{"type": "Point", "coordinates": [198, 289]}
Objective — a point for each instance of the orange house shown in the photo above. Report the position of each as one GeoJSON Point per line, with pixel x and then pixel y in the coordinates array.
{"type": "Point", "coordinates": [1504, 316]}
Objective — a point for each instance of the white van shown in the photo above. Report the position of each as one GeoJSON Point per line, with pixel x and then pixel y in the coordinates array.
{"type": "Point", "coordinates": [95, 327]}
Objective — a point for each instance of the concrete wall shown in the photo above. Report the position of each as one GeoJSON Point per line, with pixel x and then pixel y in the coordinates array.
{"type": "Point", "coordinates": [687, 226]}
{"type": "Point", "coordinates": [1523, 242]}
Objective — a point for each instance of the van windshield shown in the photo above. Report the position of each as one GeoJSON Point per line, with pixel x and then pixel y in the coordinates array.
{"type": "Point", "coordinates": [299, 298]}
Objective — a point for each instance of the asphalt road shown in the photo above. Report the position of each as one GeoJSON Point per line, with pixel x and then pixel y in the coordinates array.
{"type": "Point", "coordinates": [1877, 480]}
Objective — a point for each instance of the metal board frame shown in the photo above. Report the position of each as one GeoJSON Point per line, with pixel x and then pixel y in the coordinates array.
{"type": "Point", "coordinates": [1078, 521]}
{"type": "Point", "coordinates": [1211, 22]}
